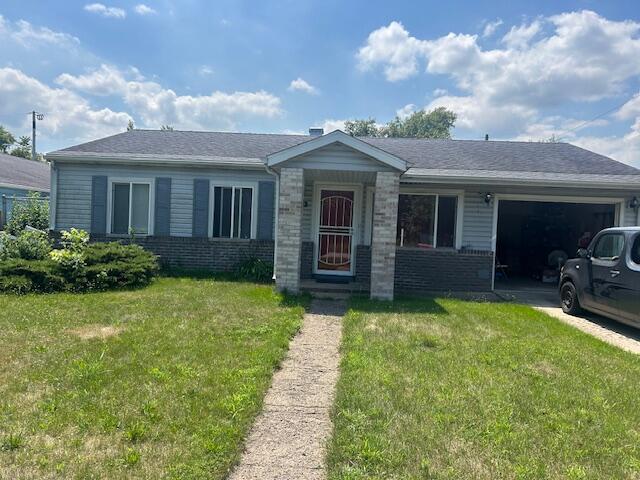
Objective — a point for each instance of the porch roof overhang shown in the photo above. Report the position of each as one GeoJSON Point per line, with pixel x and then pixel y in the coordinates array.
{"type": "Point", "coordinates": [391, 161]}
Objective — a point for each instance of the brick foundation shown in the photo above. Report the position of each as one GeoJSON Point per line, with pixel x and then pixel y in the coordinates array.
{"type": "Point", "coordinates": [419, 270]}
{"type": "Point", "coordinates": [217, 255]}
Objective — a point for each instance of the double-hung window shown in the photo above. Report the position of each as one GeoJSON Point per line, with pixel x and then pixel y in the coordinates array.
{"type": "Point", "coordinates": [233, 211]}
{"type": "Point", "coordinates": [130, 207]}
{"type": "Point", "coordinates": [427, 221]}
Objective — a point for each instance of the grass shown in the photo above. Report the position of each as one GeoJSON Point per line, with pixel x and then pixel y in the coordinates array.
{"type": "Point", "coordinates": [162, 382]}
{"type": "Point", "coordinates": [448, 389]}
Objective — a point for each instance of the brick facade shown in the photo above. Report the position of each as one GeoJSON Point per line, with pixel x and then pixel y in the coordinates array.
{"type": "Point", "coordinates": [419, 270]}
{"type": "Point", "coordinates": [383, 244]}
{"type": "Point", "coordinates": [306, 260]}
{"type": "Point", "coordinates": [217, 255]}
{"type": "Point", "coordinates": [363, 265]}
{"type": "Point", "coordinates": [289, 229]}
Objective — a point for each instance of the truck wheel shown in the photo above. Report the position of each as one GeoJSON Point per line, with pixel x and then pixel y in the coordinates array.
{"type": "Point", "coordinates": [569, 299]}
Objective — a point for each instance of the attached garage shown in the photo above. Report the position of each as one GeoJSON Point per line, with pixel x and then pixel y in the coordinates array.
{"type": "Point", "coordinates": [534, 236]}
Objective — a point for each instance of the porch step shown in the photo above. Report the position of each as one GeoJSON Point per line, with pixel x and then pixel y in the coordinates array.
{"type": "Point", "coordinates": [332, 290]}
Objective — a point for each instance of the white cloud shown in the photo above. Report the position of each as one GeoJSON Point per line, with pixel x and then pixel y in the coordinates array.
{"type": "Point", "coordinates": [406, 111]}
{"type": "Point", "coordinates": [625, 148]}
{"type": "Point", "coordinates": [205, 70]}
{"type": "Point", "coordinates": [101, 9]}
{"type": "Point", "coordinates": [300, 85]}
{"type": "Point", "coordinates": [491, 27]}
{"type": "Point", "coordinates": [520, 37]}
{"type": "Point", "coordinates": [550, 62]}
{"type": "Point", "coordinates": [330, 125]}
{"type": "Point", "coordinates": [156, 105]}
{"type": "Point", "coordinates": [439, 92]}
{"type": "Point", "coordinates": [67, 115]}
{"type": "Point", "coordinates": [29, 36]}
{"type": "Point", "coordinates": [142, 9]}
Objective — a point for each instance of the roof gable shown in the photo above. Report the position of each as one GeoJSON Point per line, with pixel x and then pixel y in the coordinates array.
{"type": "Point", "coordinates": [338, 137]}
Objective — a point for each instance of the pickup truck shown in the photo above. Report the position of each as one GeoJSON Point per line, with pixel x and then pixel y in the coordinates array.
{"type": "Point", "coordinates": [605, 278]}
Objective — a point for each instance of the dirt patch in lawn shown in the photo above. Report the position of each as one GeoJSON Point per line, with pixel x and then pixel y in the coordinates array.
{"type": "Point", "coordinates": [89, 332]}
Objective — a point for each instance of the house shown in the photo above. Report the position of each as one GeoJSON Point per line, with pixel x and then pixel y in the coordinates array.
{"type": "Point", "coordinates": [18, 177]}
{"type": "Point", "coordinates": [394, 215]}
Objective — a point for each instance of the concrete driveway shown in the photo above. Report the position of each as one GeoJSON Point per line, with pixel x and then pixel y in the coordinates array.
{"type": "Point", "coordinates": [547, 300]}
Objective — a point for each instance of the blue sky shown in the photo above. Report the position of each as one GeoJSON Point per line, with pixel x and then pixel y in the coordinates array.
{"type": "Point", "coordinates": [514, 70]}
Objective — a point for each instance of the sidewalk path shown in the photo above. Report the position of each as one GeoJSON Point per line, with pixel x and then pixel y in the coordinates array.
{"type": "Point", "coordinates": [288, 438]}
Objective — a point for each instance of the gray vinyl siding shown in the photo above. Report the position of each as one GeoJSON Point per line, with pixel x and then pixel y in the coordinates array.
{"type": "Point", "coordinates": [337, 157]}
{"type": "Point", "coordinates": [477, 222]}
{"type": "Point", "coordinates": [630, 217]}
{"type": "Point", "coordinates": [73, 207]}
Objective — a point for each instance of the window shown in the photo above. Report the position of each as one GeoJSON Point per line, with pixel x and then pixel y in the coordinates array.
{"type": "Point", "coordinates": [232, 212]}
{"type": "Point", "coordinates": [130, 208]}
{"type": "Point", "coordinates": [427, 221]}
{"type": "Point", "coordinates": [635, 251]}
{"type": "Point", "coordinates": [609, 247]}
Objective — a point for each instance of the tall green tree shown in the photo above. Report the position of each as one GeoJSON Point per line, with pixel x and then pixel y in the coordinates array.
{"type": "Point", "coordinates": [23, 149]}
{"type": "Point", "coordinates": [422, 124]}
{"type": "Point", "coordinates": [362, 128]}
{"type": "Point", "coordinates": [166, 128]}
{"type": "Point", "coordinates": [436, 123]}
{"type": "Point", "coordinates": [6, 139]}
{"type": "Point", "coordinates": [130, 126]}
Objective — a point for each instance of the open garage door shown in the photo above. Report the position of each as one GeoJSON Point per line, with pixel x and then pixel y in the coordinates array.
{"type": "Point", "coordinates": [533, 238]}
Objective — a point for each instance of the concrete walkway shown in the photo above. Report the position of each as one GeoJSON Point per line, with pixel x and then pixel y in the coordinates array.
{"type": "Point", "coordinates": [610, 331]}
{"type": "Point", "coordinates": [289, 436]}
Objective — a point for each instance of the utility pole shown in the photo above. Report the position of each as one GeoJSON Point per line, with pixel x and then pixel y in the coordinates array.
{"type": "Point", "coordinates": [39, 116]}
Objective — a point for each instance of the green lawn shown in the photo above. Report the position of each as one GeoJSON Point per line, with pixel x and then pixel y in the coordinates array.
{"type": "Point", "coordinates": [461, 390]}
{"type": "Point", "coordinates": [162, 382]}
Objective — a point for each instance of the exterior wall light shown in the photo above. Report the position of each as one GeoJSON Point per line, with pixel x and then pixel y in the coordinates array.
{"type": "Point", "coordinates": [487, 198]}
{"type": "Point", "coordinates": [634, 203]}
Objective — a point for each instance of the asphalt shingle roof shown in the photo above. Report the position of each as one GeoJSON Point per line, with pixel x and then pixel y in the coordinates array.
{"type": "Point", "coordinates": [21, 172]}
{"type": "Point", "coordinates": [419, 153]}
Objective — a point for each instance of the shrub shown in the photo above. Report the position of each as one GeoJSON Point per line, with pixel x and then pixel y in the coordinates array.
{"type": "Point", "coordinates": [255, 269]}
{"type": "Point", "coordinates": [77, 267]}
{"type": "Point", "coordinates": [34, 211]}
{"type": "Point", "coordinates": [43, 275]}
{"type": "Point", "coordinates": [28, 245]}
{"type": "Point", "coordinates": [113, 265]}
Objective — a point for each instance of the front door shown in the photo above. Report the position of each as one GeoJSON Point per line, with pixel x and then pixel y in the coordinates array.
{"type": "Point", "coordinates": [334, 251]}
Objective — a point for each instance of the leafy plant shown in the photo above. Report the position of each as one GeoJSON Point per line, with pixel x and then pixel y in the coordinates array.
{"type": "Point", "coordinates": [28, 245]}
{"type": "Point", "coordinates": [74, 239]}
{"type": "Point", "coordinates": [33, 211]}
{"type": "Point", "coordinates": [255, 269]}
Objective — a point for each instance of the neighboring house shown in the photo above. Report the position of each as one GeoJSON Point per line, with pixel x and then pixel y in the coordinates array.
{"type": "Point", "coordinates": [18, 177]}
{"type": "Point", "coordinates": [394, 215]}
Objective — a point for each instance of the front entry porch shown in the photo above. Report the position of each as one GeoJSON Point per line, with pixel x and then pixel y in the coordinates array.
{"type": "Point", "coordinates": [336, 217]}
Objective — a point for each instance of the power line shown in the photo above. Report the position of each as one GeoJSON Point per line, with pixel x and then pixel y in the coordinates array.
{"type": "Point", "coordinates": [587, 122]}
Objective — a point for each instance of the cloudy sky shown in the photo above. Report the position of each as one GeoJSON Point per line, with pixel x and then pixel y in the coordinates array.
{"type": "Point", "coordinates": [514, 70]}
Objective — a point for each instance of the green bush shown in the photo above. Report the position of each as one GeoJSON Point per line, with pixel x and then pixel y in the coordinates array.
{"type": "Point", "coordinates": [43, 275]}
{"type": "Point", "coordinates": [255, 269]}
{"type": "Point", "coordinates": [34, 211]}
{"type": "Point", "coordinates": [113, 265]}
{"type": "Point", "coordinates": [28, 245]}
{"type": "Point", "coordinates": [79, 267]}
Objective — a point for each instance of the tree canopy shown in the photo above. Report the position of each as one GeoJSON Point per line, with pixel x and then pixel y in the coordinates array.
{"type": "Point", "coordinates": [6, 139]}
{"type": "Point", "coordinates": [421, 124]}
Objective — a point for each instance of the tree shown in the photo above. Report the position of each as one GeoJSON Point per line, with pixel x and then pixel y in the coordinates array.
{"type": "Point", "coordinates": [23, 149]}
{"type": "Point", "coordinates": [130, 126]}
{"type": "Point", "coordinates": [421, 124]}
{"type": "Point", "coordinates": [362, 128]}
{"type": "Point", "coordinates": [6, 139]}
{"type": "Point", "coordinates": [166, 128]}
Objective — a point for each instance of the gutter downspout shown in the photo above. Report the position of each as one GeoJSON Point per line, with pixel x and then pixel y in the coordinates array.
{"type": "Point", "coordinates": [275, 226]}
{"type": "Point", "coordinates": [53, 195]}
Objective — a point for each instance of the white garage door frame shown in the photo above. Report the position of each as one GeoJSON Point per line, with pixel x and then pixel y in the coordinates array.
{"type": "Point", "coordinates": [619, 203]}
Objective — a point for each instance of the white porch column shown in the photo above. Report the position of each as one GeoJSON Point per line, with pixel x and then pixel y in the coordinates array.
{"type": "Point", "coordinates": [383, 242]}
{"type": "Point", "coordinates": [289, 229]}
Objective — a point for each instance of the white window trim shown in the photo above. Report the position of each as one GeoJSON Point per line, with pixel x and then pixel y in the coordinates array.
{"type": "Point", "coordinates": [254, 206]}
{"type": "Point", "coordinates": [459, 194]}
{"type": "Point", "coordinates": [152, 200]}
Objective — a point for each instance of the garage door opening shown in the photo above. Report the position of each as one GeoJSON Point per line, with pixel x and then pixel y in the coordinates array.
{"type": "Point", "coordinates": [534, 238]}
